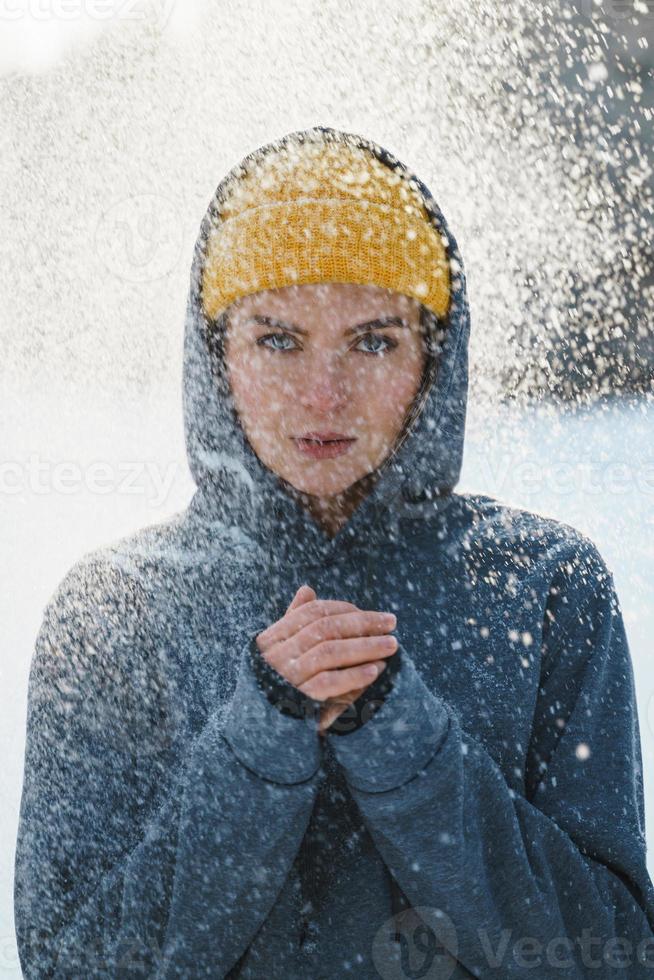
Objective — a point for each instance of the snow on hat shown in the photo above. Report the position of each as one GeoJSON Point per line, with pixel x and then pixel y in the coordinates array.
{"type": "Point", "coordinates": [322, 210]}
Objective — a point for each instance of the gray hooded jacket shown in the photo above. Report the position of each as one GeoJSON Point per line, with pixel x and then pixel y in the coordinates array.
{"type": "Point", "coordinates": [486, 821]}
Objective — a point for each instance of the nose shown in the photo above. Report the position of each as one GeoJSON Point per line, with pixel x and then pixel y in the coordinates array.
{"type": "Point", "coordinates": [325, 388]}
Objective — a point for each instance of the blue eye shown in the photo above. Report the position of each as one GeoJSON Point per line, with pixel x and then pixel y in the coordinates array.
{"type": "Point", "coordinates": [389, 344]}
{"type": "Point", "coordinates": [270, 340]}
{"type": "Point", "coordinates": [275, 336]}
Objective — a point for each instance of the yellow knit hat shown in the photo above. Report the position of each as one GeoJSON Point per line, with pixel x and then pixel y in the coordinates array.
{"type": "Point", "coordinates": [323, 211]}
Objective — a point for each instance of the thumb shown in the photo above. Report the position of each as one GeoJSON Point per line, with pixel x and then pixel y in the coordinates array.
{"type": "Point", "coordinates": [303, 595]}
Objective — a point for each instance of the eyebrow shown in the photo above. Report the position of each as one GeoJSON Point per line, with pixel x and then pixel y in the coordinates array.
{"type": "Point", "coordinates": [379, 323]}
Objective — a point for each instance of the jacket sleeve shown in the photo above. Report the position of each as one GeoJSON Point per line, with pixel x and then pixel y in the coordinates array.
{"type": "Point", "coordinates": [135, 857]}
{"type": "Point", "coordinates": [549, 883]}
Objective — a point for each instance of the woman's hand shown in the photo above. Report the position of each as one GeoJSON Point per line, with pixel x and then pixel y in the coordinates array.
{"type": "Point", "coordinates": [333, 708]}
{"type": "Point", "coordinates": [329, 649]}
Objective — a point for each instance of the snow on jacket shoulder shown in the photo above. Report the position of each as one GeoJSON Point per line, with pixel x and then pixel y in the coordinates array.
{"type": "Point", "coordinates": [124, 808]}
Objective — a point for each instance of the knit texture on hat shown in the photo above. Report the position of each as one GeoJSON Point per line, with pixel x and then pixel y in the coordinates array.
{"type": "Point", "coordinates": [323, 210]}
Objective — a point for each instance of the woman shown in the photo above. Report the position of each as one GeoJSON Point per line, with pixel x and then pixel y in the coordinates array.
{"type": "Point", "coordinates": [214, 786]}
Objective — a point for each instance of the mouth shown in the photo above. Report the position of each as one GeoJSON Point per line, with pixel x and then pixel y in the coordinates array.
{"type": "Point", "coordinates": [323, 445]}
{"type": "Point", "coordinates": [325, 437]}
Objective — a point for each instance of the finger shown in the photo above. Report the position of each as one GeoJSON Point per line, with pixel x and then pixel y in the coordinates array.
{"type": "Point", "coordinates": [336, 706]}
{"type": "Point", "coordinates": [329, 714]}
{"type": "Point", "coordinates": [270, 635]}
{"type": "Point", "coordinates": [342, 625]}
{"type": "Point", "coordinates": [332, 655]}
{"type": "Point", "coordinates": [343, 700]}
{"type": "Point", "coordinates": [330, 683]}
{"type": "Point", "coordinates": [303, 595]}
{"type": "Point", "coordinates": [353, 624]}
{"type": "Point", "coordinates": [296, 618]}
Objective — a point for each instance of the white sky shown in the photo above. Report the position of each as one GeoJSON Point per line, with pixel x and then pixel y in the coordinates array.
{"type": "Point", "coordinates": [35, 35]}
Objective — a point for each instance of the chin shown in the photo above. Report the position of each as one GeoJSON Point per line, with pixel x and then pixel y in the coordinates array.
{"type": "Point", "coordinates": [318, 486]}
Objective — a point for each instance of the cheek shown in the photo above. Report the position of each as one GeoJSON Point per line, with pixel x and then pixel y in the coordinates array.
{"type": "Point", "coordinates": [391, 389]}
{"type": "Point", "coordinates": [259, 393]}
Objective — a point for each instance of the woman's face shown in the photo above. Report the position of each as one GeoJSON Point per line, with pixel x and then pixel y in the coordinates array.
{"type": "Point", "coordinates": [330, 359]}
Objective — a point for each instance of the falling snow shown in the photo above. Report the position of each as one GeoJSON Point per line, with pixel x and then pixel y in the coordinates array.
{"type": "Point", "coordinates": [161, 787]}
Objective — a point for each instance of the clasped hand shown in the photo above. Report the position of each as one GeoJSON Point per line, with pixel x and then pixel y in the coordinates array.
{"type": "Point", "coordinates": [329, 649]}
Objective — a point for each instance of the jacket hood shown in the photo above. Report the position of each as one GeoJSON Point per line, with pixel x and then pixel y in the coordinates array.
{"type": "Point", "coordinates": [235, 489]}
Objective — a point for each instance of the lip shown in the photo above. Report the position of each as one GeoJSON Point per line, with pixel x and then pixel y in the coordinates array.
{"type": "Point", "coordinates": [327, 436]}
{"type": "Point", "coordinates": [323, 445]}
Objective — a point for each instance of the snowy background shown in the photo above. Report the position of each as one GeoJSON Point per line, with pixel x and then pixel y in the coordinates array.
{"type": "Point", "coordinates": [117, 124]}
